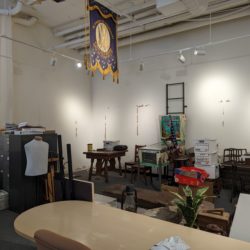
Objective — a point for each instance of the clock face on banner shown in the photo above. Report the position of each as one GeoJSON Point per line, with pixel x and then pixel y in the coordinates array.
{"type": "Point", "coordinates": [102, 37]}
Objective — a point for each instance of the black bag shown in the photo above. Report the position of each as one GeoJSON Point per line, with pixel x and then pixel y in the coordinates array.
{"type": "Point", "coordinates": [120, 148]}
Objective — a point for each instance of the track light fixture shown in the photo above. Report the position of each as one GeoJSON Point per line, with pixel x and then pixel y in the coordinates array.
{"type": "Point", "coordinates": [141, 66]}
{"type": "Point", "coordinates": [200, 52]}
{"type": "Point", "coordinates": [181, 57]}
{"type": "Point", "coordinates": [53, 61]}
{"type": "Point", "coordinates": [78, 65]}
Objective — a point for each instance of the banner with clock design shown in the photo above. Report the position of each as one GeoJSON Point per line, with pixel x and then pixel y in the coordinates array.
{"type": "Point", "coordinates": [103, 40]}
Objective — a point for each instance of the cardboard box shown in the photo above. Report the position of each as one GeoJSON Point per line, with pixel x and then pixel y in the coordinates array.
{"type": "Point", "coordinates": [205, 159]}
{"type": "Point", "coordinates": [208, 146]}
{"type": "Point", "coordinates": [213, 171]}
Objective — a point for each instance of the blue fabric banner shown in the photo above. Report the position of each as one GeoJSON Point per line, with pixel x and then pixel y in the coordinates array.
{"type": "Point", "coordinates": [103, 40]}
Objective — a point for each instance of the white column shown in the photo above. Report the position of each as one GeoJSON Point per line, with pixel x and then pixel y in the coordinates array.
{"type": "Point", "coordinates": [6, 71]}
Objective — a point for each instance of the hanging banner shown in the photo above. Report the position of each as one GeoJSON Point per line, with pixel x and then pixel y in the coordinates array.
{"type": "Point", "coordinates": [103, 40]}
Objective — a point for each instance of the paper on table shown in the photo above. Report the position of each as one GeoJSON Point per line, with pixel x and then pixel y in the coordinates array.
{"type": "Point", "coordinates": [172, 243]}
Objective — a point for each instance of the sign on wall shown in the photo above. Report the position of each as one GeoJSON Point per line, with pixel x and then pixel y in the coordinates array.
{"type": "Point", "coordinates": [103, 40]}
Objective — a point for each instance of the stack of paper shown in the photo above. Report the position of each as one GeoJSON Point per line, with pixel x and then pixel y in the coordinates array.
{"type": "Point", "coordinates": [172, 243]}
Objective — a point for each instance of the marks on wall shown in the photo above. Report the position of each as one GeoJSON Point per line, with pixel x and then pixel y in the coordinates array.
{"type": "Point", "coordinates": [223, 102]}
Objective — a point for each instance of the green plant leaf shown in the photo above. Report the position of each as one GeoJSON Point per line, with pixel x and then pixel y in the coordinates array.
{"type": "Point", "coordinates": [177, 195]}
{"type": "Point", "coordinates": [189, 204]}
{"type": "Point", "coordinates": [180, 201]}
{"type": "Point", "coordinates": [202, 191]}
{"type": "Point", "coordinates": [187, 191]}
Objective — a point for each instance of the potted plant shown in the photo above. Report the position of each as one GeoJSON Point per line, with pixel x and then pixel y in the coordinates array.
{"type": "Point", "coordinates": [189, 204]}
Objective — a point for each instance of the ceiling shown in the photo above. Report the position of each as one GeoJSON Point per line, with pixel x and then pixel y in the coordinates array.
{"type": "Point", "coordinates": [141, 19]}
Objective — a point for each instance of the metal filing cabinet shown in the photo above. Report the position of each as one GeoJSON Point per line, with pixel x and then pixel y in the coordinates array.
{"type": "Point", "coordinates": [4, 162]}
{"type": "Point", "coordinates": [24, 191]}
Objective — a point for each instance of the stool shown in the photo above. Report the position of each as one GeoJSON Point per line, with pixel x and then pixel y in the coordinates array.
{"type": "Point", "coordinates": [177, 163]}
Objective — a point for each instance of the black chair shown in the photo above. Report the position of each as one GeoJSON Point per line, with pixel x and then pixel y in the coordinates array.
{"type": "Point", "coordinates": [47, 240]}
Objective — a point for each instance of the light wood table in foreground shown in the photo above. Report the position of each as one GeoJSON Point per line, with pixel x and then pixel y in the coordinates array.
{"type": "Point", "coordinates": [105, 228]}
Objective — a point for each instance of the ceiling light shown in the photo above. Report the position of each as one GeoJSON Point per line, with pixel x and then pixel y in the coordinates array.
{"type": "Point", "coordinates": [200, 52]}
{"type": "Point", "coordinates": [181, 58]}
{"type": "Point", "coordinates": [53, 61]}
{"type": "Point", "coordinates": [78, 65]}
{"type": "Point", "coordinates": [141, 67]}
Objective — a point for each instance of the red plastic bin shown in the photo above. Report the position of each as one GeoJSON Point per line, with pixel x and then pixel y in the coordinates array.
{"type": "Point", "coordinates": [190, 176]}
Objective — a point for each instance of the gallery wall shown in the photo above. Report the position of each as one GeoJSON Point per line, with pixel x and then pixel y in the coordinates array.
{"type": "Point", "coordinates": [215, 82]}
{"type": "Point", "coordinates": [67, 100]}
{"type": "Point", "coordinates": [58, 98]}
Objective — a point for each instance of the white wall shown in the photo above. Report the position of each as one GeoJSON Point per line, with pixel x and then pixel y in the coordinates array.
{"type": "Point", "coordinates": [57, 97]}
{"type": "Point", "coordinates": [6, 72]}
{"type": "Point", "coordinates": [222, 74]}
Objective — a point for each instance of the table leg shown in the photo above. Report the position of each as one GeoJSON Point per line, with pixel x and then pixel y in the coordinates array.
{"type": "Point", "coordinates": [91, 169]}
{"type": "Point", "coordinates": [160, 170]}
{"type": "Point", "coordinates": [98, 166]}
{"type": "Point", "coordinates": [106, 171]}
{"type": "Point", "coordinates": [112, 164]}
{"type": "Point", "coordinates": [120, 165]}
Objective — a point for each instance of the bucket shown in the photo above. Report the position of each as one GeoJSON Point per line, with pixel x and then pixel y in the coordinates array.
{"type": "Point", "coordinates": [90, 147]}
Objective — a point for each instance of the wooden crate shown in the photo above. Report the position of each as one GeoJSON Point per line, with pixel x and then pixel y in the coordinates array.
{"type": "Point", "coordinates": [216, 216]}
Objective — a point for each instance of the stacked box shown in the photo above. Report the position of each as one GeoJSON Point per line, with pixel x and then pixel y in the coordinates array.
{"type": "Point", "coordinates": [205, 159]}
{"type": "Point", "coordinates": [208, 146]}
{"type": "Point", "coordinates": [206, 156]}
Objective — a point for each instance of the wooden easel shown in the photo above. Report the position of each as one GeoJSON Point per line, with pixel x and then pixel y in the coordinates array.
{"type": "Point", "coordinates": [50, 181]}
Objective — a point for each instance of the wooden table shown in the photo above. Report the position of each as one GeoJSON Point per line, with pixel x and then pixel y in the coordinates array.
{"type": "Point", "coordinates": [240, 226]}
{"type": "Point", "coordinates": [102, 158]}
{"type": "Point", "coordinates": [101, 227]}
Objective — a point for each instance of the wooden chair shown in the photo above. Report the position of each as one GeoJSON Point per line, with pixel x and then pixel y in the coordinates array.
{"type": "Point", "coordinates": [136, 159]}
{"type": "Point", "coordinates": [47, 240]}
{"type": "Point", "coordinates": [231, 162]}
{"type": "Point", "coordinates": [136, 169]}
{"type": "Point", "coordinates": [233, 154]}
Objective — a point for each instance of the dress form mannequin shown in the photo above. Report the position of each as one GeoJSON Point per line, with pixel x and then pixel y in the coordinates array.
{"type": "Point", "coordinates": [37, 152]}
